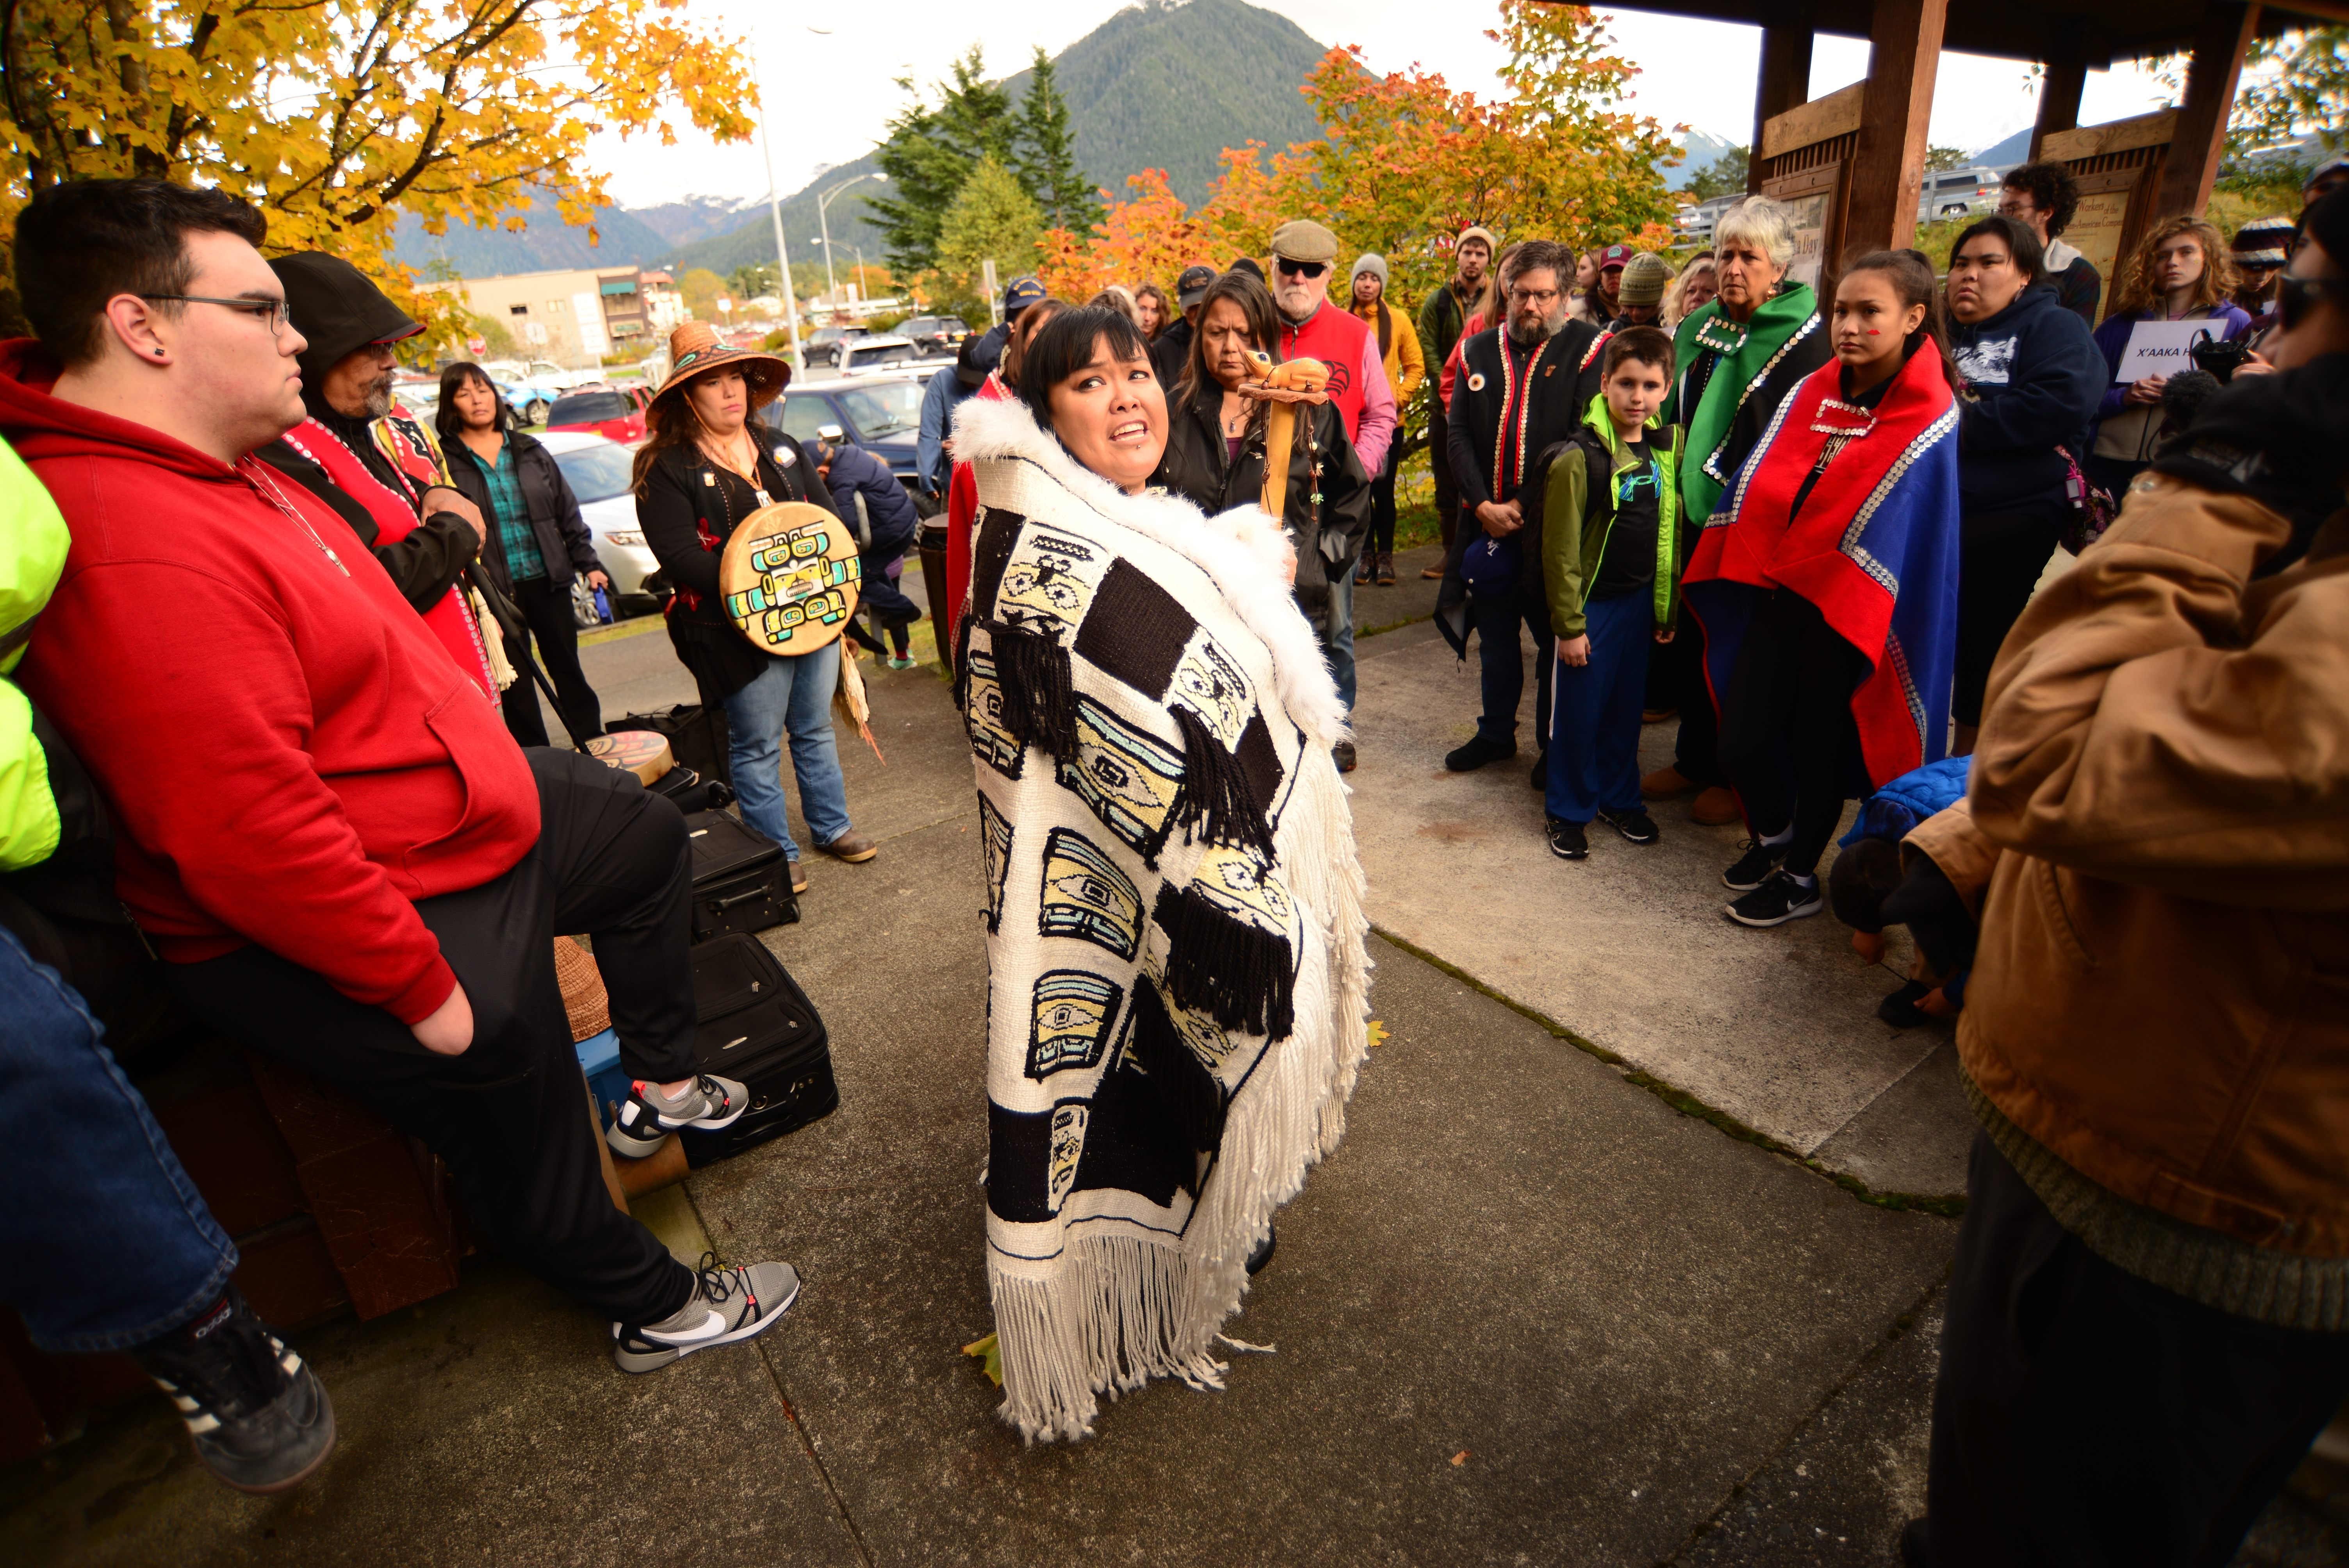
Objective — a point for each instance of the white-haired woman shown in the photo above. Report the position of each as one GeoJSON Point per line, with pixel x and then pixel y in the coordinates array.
{"type": "Point", "coordinates": [1735, 360]}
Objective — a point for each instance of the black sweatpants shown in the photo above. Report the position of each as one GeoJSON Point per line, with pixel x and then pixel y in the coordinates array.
{"type": "Point", "coordinates": [2084, 1417]}
{"type": "Point", "coordinates": [2000, 558]}
{"type": "Point", "coordinates": [547, 609]}
{"type": "Point", "coordinates": [1788, 742]}
{"type": "Point", "coordinates": [508, 1115]}
{"type": "Point", "coordinates": [1696, 750]}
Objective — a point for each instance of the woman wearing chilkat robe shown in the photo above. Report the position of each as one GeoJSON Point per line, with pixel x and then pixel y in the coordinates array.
{"type": "Point", "coordinates": [1177, 971]}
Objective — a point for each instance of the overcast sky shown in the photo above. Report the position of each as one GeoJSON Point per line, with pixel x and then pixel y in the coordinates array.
{"type": "Point", "coordinates": [833, 95]}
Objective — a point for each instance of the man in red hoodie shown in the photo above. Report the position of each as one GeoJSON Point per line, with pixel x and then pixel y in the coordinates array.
{"type": "Point", "coordinates": [322, 824]}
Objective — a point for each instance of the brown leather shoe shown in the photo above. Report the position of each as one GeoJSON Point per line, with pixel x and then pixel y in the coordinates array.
{"type": "Point", "coordinates": [1386, 577]}
{"type": "Point", "coordinates": [1436, 571]}
{"type": "Point", "coordinates": [1716, 808]}
{"type": "Point", "coordinates": [853, 847]}
{"type": "Point", "coordinates": [799, 875]}
{"type": "Point", "coordinates": [1658, 714]}
{"type": "Point", "coordinates": [1666, 782]}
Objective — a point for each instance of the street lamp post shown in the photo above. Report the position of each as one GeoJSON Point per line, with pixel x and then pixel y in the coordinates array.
{"type": "Point", "coordinates": [775, 211]}
{"type": "Point", "coordinates": [824, 222]}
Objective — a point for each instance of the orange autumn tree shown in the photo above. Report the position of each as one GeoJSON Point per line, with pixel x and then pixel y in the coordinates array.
{"type": "Point", "coordinates": [1404, 162]}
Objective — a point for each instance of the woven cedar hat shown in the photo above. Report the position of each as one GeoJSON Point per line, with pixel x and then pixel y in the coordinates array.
{"type": "Point", "coordinates": [694, 350]}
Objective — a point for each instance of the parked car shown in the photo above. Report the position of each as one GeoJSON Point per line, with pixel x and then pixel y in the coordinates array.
{"type": "Point", "coordinates": [605, 410]}
{"type": "Point", "coordinates": [859, 355]}
{"type": "Point", "coordinates": [935, 335]}
{"type": "Point", "coordinates": [1959, 193]}
{"type": "Point", "coordinates": [881, 412]}
{"type": "Point", "coordinates": [541, 373]}
{"type": "Point", "coordinates": [821, 344]}
{"type": "Point", "coordinates": [597, 469]}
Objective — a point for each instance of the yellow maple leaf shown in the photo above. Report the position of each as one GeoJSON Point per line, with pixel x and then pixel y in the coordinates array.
{"type": "Point", "coordinates": [989, 1354]}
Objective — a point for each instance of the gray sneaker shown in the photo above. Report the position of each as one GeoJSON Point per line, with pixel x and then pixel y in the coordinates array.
{"type": "Point", "coordinates": [647, 1117]}
{"type": "Point", "coordinates": [729, 1303]}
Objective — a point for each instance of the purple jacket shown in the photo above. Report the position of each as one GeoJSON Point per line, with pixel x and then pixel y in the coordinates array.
{"type": "Point", "coordinates": [2226, 321]}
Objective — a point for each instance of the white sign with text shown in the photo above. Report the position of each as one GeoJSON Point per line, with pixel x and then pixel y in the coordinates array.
{"type": "Point", "coordinates": [2160, 348]}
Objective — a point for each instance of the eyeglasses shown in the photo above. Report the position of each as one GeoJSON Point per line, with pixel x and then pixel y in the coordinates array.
{"type": "Point", "coordinates": [271, 312]}
{"type": "Point", "coordinates": [1301, 269]}
{"type": "Point", "coordinates": [2295, 297]}
{"type": "Point", "coordinates": [1534, 297]}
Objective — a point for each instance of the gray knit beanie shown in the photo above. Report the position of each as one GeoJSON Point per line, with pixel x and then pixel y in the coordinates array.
{"type": "Point", "coordinates": [1370, 262]}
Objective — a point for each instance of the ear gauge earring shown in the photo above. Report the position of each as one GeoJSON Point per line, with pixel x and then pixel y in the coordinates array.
{"type": "Point", "coordinates": [158, 354]}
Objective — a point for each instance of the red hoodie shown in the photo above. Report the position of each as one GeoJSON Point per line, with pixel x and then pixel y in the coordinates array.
{"type": "Point", "coordinates": [291, 756]}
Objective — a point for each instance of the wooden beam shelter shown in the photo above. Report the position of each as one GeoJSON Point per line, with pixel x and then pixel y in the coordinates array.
{"type": "Point", "coordinates": [1852, 163]}
{"type": "Point", "coordinates": [2219, 44]}
{"type": "Point", "coordinates": [1888, 174]}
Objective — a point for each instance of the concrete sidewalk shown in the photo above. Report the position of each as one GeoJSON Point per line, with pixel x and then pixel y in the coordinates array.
{"type": "Point", "coordinates": [1530, 1311]}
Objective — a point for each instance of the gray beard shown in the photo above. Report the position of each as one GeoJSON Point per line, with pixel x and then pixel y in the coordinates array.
{"type": "Point", "coordinates": [378, 398]}
{"type": "Point", "coordinates": [1542, 331]}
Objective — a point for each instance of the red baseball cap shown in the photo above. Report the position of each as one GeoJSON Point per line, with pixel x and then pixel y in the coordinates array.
{"type": "Point", "coordinates": [1614, 256]}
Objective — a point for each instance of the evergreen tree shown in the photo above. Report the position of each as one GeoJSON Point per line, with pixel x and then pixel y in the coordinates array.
{"type": "Point", "coordinates": [1046, 164]}
{"type": "Point", "coordinates": [929, 155]}
{"type": "Point", "coordinates": [992, 219]}
{"type": "Point", "coordinates": [1722, 177]}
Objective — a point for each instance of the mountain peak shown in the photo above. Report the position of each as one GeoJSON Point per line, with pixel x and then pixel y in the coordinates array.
{"type": "Point", "coordinates": [1160, 84]}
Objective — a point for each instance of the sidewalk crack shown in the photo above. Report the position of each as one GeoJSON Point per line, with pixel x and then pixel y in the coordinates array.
{"type": "Point", "coordinates": [790, 1411]}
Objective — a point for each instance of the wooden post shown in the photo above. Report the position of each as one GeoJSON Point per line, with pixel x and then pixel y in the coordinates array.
{"type": "Point", "coordinates": [1784, 81]}
{"type": "Point", "coordinates": [1888, 167]}
{"type": "Point", "coordinates": [2059, 94]}
{"type": "Point", "coordinates": [2220, 45]}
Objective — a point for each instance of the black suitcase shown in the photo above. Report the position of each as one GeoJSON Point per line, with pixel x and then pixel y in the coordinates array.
{"type": "Point", "coordinates": [741, 883]}
{"type": "Point", "coordinates": [756, 1027]}
{"type": "Point", "coordinates": [690, 792]}
{"type": "Point", "coordinates": [696, 737]}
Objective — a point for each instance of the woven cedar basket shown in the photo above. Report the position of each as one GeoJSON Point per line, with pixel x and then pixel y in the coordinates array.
{"type": "Point", "coordinates": [583, 998]}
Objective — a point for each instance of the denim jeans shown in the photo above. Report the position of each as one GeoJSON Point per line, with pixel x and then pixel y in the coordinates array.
{"type": "Point", "coordinates": [791, 697]}
{"type": "Point", "coordinates": [1501, 660]}
{"type": "Point", "coordinates": [106, 1243]}
{"type": "Point", "coordinates": [1340, 648]}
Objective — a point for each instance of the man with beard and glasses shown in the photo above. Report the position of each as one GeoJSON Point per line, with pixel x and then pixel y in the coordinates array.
{"type": "Point", "coordinates": [1522, 390]}
{"type": "Point", "coordinates": [382, 474]}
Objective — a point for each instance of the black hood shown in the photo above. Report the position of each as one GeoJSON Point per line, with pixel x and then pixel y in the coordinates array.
{"type": "Point", "coordinates": [335, 305]}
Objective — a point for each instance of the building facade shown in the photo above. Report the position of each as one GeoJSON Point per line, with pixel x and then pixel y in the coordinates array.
{"type": "Point", "coordinates": [573, 317]}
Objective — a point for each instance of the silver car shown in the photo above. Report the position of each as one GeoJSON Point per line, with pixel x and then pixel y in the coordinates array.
{"type": "Point", "coordinates": [597, 470]}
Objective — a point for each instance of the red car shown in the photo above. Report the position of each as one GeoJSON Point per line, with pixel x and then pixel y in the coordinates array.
{"type": "Point", "coordinates": [613, 414]}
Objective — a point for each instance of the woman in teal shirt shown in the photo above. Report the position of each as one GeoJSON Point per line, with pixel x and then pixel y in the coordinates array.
{"type": "Point", "coordinates": [538, 544]}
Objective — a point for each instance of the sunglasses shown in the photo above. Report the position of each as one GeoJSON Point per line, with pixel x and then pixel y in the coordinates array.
{"type": "Point", "coordinates": [2296, 296]}
{"type": "Point", "coordinates": [1301, 269]}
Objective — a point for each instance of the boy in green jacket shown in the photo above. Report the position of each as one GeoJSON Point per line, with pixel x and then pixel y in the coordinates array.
{"type": "Point", "coordinates": [1611, 559]}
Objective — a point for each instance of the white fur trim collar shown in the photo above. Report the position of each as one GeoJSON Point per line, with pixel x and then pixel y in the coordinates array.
{"type": "Point", "coordinates": [1247, 553]}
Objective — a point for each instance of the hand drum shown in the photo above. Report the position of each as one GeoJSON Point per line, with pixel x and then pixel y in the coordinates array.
{"type": "Point", "coordinates": [640, 751]}
{"type": "Point", "coordinates": [790, 577]}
